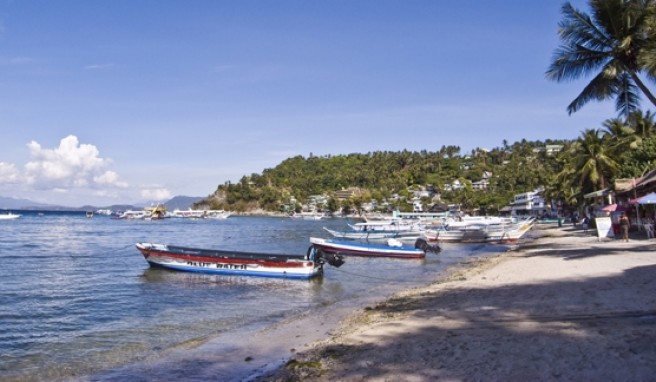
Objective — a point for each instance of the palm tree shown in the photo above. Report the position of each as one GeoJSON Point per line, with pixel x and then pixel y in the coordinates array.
{"type": "Point", "coordinates": [611, 42]}
{"type": "Point", "coordinates": [620, 135]}
{"type": "Point", "coordinates": [643, 124]}
{"type": "Point", "coordinates": [592, 160]}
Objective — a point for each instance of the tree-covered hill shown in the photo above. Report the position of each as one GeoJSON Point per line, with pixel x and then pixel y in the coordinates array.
{"type": "Point", "coordinates": [523, 166]}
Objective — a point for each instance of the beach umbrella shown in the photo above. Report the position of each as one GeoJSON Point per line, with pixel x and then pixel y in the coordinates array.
{"type": "Point", "coordinates": [648, 199]}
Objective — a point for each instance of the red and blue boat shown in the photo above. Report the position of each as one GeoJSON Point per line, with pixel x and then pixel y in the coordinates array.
{"type": "Point", "coordinates": [227, 262]}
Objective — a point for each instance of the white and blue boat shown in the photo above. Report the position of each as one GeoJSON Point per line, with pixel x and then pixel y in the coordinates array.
{"type": "Point", "coordinates": [390, 248]}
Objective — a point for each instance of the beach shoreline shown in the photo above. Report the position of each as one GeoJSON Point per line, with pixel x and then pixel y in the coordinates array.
{"type": "Point", "coordinates": [565, 306]}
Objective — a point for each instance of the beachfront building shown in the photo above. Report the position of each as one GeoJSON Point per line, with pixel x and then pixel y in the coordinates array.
{"type": "Point", "coordinates": [528, 204]}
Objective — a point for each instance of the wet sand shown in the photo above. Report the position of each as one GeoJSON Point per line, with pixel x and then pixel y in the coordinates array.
{"type": "Point", "coordinates": [566, 306]}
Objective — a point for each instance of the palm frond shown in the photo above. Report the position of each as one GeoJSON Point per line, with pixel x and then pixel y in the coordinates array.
{"type": "Point", "coordinates": [627, 100]}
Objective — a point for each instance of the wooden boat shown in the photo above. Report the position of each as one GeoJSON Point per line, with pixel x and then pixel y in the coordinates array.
{"type": "Point", "coordinates": [480, 232]}
{"type": "Point", "coordinates": [228, 262]}
{"type": "Point", "coordinates": [359, 234]}
{"type": "Point", "coordinates": [391, 248]}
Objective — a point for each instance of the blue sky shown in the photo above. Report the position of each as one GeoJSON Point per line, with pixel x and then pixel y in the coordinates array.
{"type": "Point", "coordinates": [125, 101]}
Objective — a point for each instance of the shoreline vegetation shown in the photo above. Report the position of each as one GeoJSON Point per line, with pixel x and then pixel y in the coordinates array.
{"type": "Point", "coordinates": [565, 306]}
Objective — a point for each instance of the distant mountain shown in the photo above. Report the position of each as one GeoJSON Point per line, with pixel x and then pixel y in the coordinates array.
{"type": "Point", "coordinates": [20, 204]}
{"type": "Point", "coordinates": [178, 202]}
{"type": "Point", "coordinates": [182, 202]}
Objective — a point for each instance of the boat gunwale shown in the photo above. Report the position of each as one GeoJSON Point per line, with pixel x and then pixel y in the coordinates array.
{"type": "Point", "coordinates": [178, 250]}
{"type": "Point", "coordinates": [367, 250]}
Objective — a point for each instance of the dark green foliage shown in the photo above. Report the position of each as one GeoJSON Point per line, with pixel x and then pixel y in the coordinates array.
{"type": "Point", "coordinates": [381, 174]}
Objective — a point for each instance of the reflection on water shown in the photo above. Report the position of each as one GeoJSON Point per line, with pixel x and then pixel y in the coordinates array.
{"type": "Point", "coordinates": [77, 298]}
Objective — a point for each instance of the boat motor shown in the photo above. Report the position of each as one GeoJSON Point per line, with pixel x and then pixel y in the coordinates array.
{"type": "Point", "coordinates": [424, 246]}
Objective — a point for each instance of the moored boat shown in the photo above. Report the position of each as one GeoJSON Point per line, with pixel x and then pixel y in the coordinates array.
{"type": "Point", "coordinates": [9, 216]}
{"type": "Point", "coordinates": [237, 263]}
{"type": "Point", "coordinates": [480, 232]}
{"type": "Point", "coordinates": [390, 248]}
{"type": "Point", "coordinates": [360, 234]}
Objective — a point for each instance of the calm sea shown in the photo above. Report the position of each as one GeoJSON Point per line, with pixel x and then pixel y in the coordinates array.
{"type": "Point", "coordinates": [77, 300]}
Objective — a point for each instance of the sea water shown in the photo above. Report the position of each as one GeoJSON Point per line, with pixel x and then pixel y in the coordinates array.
{"type": "Point", "coordinates": [78, 301]}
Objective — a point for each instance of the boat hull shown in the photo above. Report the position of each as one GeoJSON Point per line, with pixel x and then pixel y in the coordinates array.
{"type": "Point", "coordinates": [230, 262]}
{"type": "Point", "coordinates": [366, 249]}
{"type": "Point", "coordinates": [354, 234]}
{"type": "Point", "coordinates": [480, 234]}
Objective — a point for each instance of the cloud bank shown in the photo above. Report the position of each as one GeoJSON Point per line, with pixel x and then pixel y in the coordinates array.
{"type": "Point", "coordinates": [71, 165]}
{"type": "Point", "coordinates": [72, 168]}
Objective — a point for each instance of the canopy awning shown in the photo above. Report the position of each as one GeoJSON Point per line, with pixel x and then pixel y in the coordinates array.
{"type": "Point", "coordinates": [614, 208]}
{"type": "Point", "coordinates": [598, 194]}
{"type": "Point", "coordinates": [647, 199]}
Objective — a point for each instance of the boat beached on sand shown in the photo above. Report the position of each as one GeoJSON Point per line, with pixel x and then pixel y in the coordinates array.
{"type": "Point", "coordinates": [236, 263]}
{"type": "Point", "coordinates": [480, 231]}
{"type": "Point", "coordinates": [390, 248]}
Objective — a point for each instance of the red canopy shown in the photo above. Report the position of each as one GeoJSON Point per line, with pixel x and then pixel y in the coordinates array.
{"type": "Point", "coordinates": [614, 208]}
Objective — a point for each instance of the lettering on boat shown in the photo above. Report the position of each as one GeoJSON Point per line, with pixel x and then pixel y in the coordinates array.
{"type": "Point", "coordinates": [200, 264]}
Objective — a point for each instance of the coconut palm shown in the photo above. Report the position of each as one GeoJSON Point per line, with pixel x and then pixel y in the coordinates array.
{"type": "Point", "coordinates": [620, 135]}
{"type": "Point", "coordinates": [609, 42]}
{"type": "Point", "coordinates": [643, 124]}
{"type": "Point", "coordinates": [593, 161]}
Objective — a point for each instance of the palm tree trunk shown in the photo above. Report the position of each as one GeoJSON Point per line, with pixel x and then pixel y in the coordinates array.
{"type": "Point", "coordinates": [642, 87]}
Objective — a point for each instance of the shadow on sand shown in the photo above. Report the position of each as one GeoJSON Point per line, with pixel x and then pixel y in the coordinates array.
{"type": "Point", "coordinates": [601, 328]}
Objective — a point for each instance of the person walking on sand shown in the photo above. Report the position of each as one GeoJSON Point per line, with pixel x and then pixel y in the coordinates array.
{"type": "Point", "coordinates": [624, 225]}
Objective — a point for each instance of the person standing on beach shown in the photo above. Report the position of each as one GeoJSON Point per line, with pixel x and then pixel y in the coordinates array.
{"type": "Point", "coordinates": [624, 225]}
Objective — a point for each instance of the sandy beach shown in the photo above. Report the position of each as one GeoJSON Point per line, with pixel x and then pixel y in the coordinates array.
{"type": "Point", "coordinates": [566, 306]}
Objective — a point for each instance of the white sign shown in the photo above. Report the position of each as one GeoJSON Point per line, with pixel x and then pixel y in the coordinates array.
{"type": "Point", "coordinates": [604, 227]}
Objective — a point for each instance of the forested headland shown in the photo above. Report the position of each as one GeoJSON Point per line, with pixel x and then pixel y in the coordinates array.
{"type": "Point", "coordinates": [576, 167]}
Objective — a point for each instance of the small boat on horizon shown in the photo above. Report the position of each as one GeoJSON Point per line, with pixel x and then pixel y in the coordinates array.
{"type": "Point", "coordinates": [9, 216]}
{"type": "Point", "coordinates": [227, 262]}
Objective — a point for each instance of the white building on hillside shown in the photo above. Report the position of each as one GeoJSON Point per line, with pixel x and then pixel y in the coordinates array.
{"type": "Point", "coordinates": [528, 203]}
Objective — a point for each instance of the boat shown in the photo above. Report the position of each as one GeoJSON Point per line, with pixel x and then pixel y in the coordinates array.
{"type": "Point", "coordinates": [89, 214]}
{"type": "Point", "coordinates": [132, 214]}
{"type": "Point", "coordinates": [201, 214]}
{"type": "Point", "coordinates": [307, 215]}
{"type": "Point", "coordinates": [156, 212]}
{"type": "Point", "coordinates": [480, 231]}
{"type": "Point", "coordinates": [148, 213]}
{"type": "Point", "coordinates": [389, 225]}
{"type": "Point", "coordinates": [217, 214]}
{"type": "Point", "coordinates": [390, 248]}
{"type": "Point", "coordinates": [360, 234]}
{"type": "Point", "coordinates": [9, 216]}
{"type": "Point", "coordinates": [227, 262]}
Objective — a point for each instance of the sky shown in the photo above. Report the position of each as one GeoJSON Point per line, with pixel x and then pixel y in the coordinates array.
{"type": "Point", "coordinates": [107, 102]}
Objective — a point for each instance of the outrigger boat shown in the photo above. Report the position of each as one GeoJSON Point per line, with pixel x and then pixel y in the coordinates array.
{"type": "Point", "coordinates": [353, 234]}
{"type": "Point", "coordinates": [391, 248]}
{"type": "Point", "coordinates": [480, 232]}
{"type": "Point", "coordinates": [228, 262]}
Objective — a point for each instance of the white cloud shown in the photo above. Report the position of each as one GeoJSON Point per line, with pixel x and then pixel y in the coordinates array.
{"type": "Point", "coordinates": [71, 165]}
{"type": "Point", "coordinates": [157, 194]}
{"type": "Point", "coordinates": [110, 178]}
{"type": "Point", "coordinates": [8, 173]}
